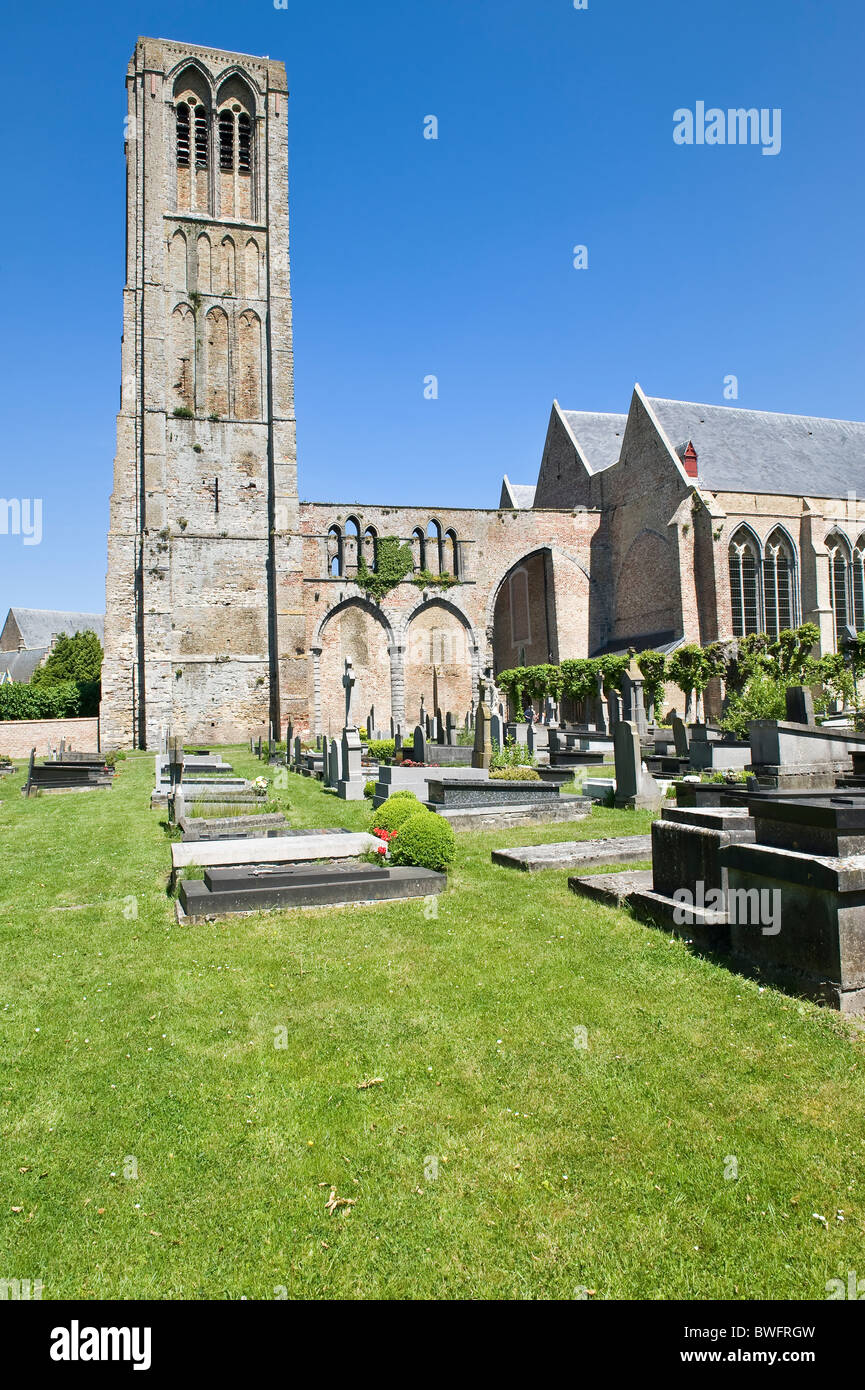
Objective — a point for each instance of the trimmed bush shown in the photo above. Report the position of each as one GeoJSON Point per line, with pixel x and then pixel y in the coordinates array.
{"type": "Point", "coordinates": [424, 841]}
{"type": "Point", "coordinates": [391, 814]}
{"type": "Point", "coordinates": [381, 748]}
{"type": "Point", "coordinates": [515, 774]}
{"type": "Point", "coordinates": [369, 790]}
{"type": "Point", "coordinates": [404, 793]}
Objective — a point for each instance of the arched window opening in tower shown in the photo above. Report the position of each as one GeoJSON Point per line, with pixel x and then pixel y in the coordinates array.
{"type": "Point", "coordinates": [244, 143]}
{"type": "Point", "coordinates": [183, 127]}
{"type": "Point", "coordinates": [201, 140]}
{"type": "Point", "coordinates": [226, 140]}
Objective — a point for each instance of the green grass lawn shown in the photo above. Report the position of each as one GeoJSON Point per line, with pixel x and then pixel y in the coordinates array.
{"type": "Point", "coordinates": [496, 1159]}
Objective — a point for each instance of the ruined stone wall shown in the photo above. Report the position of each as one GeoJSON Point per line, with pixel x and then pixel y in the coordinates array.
{"type": "Point", "coordinates": [416, 628]}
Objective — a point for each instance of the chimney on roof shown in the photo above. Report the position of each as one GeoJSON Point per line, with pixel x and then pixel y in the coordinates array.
{"type": "Point", "coordinates": [689, 460]}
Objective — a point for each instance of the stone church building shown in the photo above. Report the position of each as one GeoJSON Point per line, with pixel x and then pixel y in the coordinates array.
{"type": "Point", "coordinates": [230, 604]}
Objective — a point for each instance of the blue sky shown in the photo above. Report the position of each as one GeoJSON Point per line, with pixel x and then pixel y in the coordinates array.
{"type": "Point", "coordinates": [451, 257]}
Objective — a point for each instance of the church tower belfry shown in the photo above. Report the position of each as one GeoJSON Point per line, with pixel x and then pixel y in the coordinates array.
{"type": "Point", "coordinates": [204, 506]}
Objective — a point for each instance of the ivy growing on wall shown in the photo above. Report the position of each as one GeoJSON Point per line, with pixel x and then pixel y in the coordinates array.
{"type": "Point", "coordinates": [393, 562]}
{"type": "Point", "coordinates": [425, 579]}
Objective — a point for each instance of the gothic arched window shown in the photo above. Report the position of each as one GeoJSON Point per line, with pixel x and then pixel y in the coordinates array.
{"type": "Point", "coordinates": [236, 108]}
{"type": "Point", "coordinates": [192, 106]}
{"type": "Point", "coordinates": [451, 554]}
{"type": "Point", "coordinates": [184, 122]}
{"type": "Point", "coordinates": [418, 546]}
{"type": "Point", "coordinates": [370, 547]}
{"type": "Point", "coordinates": [334, 552]}
{"type": "Point", "coordinates": [434, 534]}
{"type": "Point", "coordinates": [839, 582]}
{"type": "Point", "coordinates": [744, 560]}
{"type": "Point", "coordinates": [859, 585]}
{"type": "Point", "coordinates": [244, 143]}
{"type": "Point", "coordinates": [779, 598]}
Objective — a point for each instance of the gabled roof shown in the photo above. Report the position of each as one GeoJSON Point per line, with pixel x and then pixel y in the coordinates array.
{"type": "Point", "coordinates": [598, 437]}
{"type": "Point", "coordinates": [762, 452]}
{"type": "Point", "coordinates": [519, 496]}
{"type": "Point", "coordinates": [38, 625]}
{"type": "Point", "coordinates": [19, 666]}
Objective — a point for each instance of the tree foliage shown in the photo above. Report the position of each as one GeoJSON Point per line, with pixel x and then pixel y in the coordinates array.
{"type": "Point", "coordinates": [76, 658]}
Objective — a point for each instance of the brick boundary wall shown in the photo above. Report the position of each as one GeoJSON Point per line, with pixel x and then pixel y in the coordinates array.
{"type": "Point", "coordinates": [18, 736]}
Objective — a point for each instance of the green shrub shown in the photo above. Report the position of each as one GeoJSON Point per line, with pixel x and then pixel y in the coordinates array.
{"type": "Point", "coordinates": [512, 755]}
{"type": "Point", "coordinates": [405, 792]}
{"type": "Point", "coordinates": [425, 841]}
{"type": "Point", "coordinates": [391, 814]}
{"type": "Point", "coordinates": [369, 790]}
{"type": "Point", "coordinates": [380, 748]}
{"type": "Point", "coordinates": [515, 774]}
{"type": "Point", "coordinates": [62, 700]}
{"type": "Point", "coordinates": [762, 698]}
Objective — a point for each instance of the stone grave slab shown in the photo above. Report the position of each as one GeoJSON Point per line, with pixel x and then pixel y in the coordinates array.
{"type": "Point", "coordinates": [196, 828]}
{"type": "Point", "coordinates": [283, 849]}
{"type": "Point", "coordinates": [235, 890]}
{"type": "Point", "coordinates": [613, 889]}
{"type": "Point", "coordinates": [575, 854]}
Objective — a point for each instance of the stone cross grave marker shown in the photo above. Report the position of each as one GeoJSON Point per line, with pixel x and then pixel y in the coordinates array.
{"type": "Point", "coordinates": [348, 682]}
{"type": "Point", "coordinates": [483, 747]}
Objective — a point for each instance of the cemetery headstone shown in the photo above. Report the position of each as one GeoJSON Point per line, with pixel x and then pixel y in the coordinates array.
{"type": "Point", "coordinates": [483, 747]}
{"type": "Point", "coordinates": [600, 719]}
{"type": "Point", "coordinates": [298, 751]}
{"type": "Point", "coordinates": [495, 730]}
{"type": "Point", "coordinates": [348, 682]}
{"type": "Point", "coordinates": [800, 704]}
{"type": "Point", "coordinates": [352, 781]}
{"type": "Point", "coordinates": [633, 689]}
{"type": "Point", "coordinates": [419, 754]}
{"type": "Point", "coordinates": [634, 786]}
{"type": "Point", "coordinates": [333, 764]}
{"type": "Point", "coordinates": [325, 762]}
{"type": "Point", "coordinates": [450, 729]}
{"type": "Point", "coordinates": [681, 737]}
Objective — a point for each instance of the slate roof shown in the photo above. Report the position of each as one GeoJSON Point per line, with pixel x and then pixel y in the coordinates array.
{"type": "Point", "coordinates": [519, 495]}
{"type": "Point", "coordinates": [599, 436]}
{"type": "Point", "coordinates": [762, 452]}
{"type": "Point", "coordinates": [664, 642]}
{"type": "Point", "coordinates": [19, 666]}
{"type": "Point", "coordinates": [37, 625]}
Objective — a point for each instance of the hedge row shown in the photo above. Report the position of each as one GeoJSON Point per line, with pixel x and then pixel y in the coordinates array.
{"type": "Point", "coordinates": [65, 700]}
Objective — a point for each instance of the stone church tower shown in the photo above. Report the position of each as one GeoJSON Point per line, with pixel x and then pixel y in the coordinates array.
{"type": "Point", "coordinates": [204, 506]}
